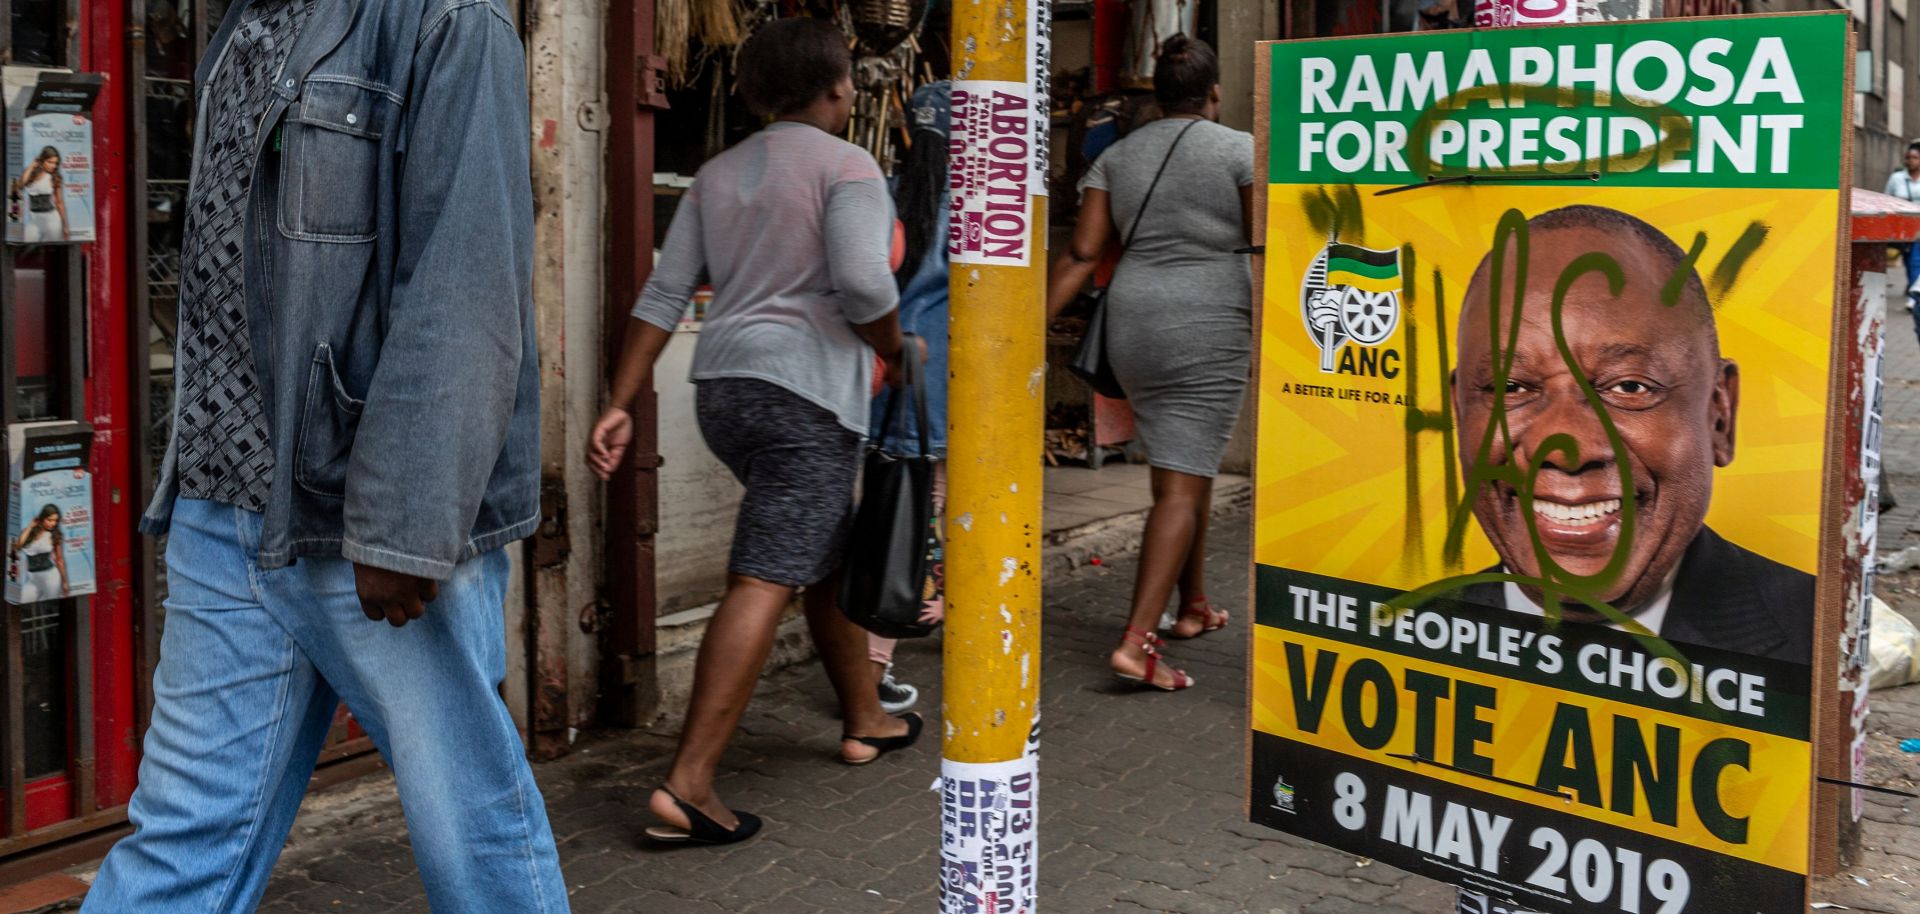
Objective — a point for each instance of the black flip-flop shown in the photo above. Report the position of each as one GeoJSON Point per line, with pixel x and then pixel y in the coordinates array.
{"type": "Point", "coordinates": [704, 830]}
{"type": "Point", "coordinates": [886, 744]}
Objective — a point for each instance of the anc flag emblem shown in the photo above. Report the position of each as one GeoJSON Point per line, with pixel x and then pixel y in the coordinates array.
{"type": "Point", "coordinates": [1350, 294]}
{"type": "Point", "coordinates": [1360, 268]}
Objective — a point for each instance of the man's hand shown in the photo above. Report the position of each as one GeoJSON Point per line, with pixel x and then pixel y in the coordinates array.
{"type": "Point", "coordinates": [607, 445]}
{"type": "Point", "coordinates": [390, 595]}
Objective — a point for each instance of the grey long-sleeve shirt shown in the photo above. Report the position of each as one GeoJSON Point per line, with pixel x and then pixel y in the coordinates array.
{"type": "Point", "coordinates": [793, 228]}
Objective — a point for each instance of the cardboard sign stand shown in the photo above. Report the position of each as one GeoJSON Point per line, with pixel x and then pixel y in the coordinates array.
{"type": "Point", "coordinates": [1843, 540]}
{"type": "Point", "coordinates": [1843, 709]}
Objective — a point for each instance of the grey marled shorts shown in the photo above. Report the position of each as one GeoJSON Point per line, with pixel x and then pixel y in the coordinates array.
{"type": "Point", "coordinates": [798, 464]}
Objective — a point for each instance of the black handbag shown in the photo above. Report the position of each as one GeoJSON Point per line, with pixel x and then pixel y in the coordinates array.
{"type": "Point", "coordinates": [891, 554]}
{"type": "Point", "coordinates": [1090, 360]}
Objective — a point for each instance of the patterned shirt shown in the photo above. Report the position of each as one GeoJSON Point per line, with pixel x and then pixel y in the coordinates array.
{"type": "Point", "coordinates": [224, 451]}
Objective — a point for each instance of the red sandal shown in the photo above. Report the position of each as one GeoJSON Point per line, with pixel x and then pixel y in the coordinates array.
{"type": "Point", "coordinates": [1214, 619]}
{"type": "Point", "coordinates": [1149, 644]}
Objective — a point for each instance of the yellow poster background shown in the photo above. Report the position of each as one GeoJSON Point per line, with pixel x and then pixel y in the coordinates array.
{"type": "Point", "coordinates": [1332, 495]}
{"type": "Point", "coordinates": [1331, 484]}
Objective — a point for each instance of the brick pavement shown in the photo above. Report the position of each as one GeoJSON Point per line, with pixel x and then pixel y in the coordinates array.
{"type": "Point", "coordinates": [1141, 803]}
{"type": "Point", "coordinates": [1141, 793]}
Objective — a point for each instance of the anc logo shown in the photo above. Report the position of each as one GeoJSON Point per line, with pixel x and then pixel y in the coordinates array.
{"type": "Point", "coordinates": [1350, 294]}
{"type": "Point", "coordinates": [1282, 795]}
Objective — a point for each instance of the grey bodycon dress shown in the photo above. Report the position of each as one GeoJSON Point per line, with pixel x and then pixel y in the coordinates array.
{"type": "Point", "coordinates": [1180, 310]}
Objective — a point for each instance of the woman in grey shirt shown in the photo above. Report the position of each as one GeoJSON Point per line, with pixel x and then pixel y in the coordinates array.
{"type": "Point", "coordinates": [793, 228]}
{"type": "Point", "coordinates": [1179, 326]}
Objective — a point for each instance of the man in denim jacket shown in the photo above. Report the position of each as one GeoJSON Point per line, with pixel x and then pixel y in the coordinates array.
{"type": "Point", "coordinates": [355, 440]}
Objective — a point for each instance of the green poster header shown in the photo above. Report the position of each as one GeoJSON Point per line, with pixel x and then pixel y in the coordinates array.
{"type": "Point", "coordinates": [1757, 101]}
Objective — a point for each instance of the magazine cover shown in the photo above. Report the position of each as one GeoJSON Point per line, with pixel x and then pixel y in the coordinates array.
{"type": "Point", "coordinates": [50, 158]}
{"type": "Point", "coordinates": [49, 512]}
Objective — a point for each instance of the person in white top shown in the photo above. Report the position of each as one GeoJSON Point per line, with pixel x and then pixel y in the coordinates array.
{"type": "Point", "coordinates": [45, 213]}
{"type": "Point", "coordinates": [1905, 184]}
{"type": "Point", "coordinates": [791, 227]}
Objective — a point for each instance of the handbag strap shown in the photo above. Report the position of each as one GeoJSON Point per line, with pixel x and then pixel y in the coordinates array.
{"type": "Point", "coordinates": [1142, 211]}
{"type": "Point", "coordinates": [916, 386]}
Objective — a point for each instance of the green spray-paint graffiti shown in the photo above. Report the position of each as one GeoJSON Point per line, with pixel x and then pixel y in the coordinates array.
{"type": "Point", "coordinates": [1502, 284]}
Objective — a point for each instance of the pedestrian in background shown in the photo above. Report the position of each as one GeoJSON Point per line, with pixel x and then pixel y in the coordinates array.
{"type": "Point", "coordinates": [1905, 184]}
{"type": "Point", "coordinates": [1178, 327]}
{"type": "Point", "coordinates": [358, 389]}
{"type": "Point", "coordinates": [793, 227]}
{"type": "Point", "coordinates": [920, 196]}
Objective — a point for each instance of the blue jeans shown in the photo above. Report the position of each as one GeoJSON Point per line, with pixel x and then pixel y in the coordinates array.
{"type": "Point", "coordinates": [251, 662]}
{"type": "Point", "coordinates": [1909, 259]}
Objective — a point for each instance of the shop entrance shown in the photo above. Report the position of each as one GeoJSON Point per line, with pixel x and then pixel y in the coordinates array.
{"type": "Point", "coordinates": [66, 762]}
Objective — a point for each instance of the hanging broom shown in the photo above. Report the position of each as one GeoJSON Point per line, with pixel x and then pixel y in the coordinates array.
{"type": "Point", "coordinates": [720, 23]}
{"type": "Point", "coordinates": [673, 37]}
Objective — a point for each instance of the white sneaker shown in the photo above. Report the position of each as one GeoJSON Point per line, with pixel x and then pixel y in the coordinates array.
{"type": "Point", "coordinates": [896, 697]}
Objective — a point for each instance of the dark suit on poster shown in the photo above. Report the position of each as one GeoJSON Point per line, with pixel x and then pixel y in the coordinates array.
{"type": "Point", "coordinates": [1725, 597]}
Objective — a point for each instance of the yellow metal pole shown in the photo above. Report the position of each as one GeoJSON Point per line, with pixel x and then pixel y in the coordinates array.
{"type": "Point", "coordinates": [996, 410]}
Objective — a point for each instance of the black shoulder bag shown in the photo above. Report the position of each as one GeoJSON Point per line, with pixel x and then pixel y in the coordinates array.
{"type": "Point", "coordinates": [1090, 360]}
{"type": "Point", "coordinates": [889, 556]}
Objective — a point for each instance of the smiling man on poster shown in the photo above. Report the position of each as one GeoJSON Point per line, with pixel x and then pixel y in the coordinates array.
{"type": "Point", "coordinates": [1651, 357]}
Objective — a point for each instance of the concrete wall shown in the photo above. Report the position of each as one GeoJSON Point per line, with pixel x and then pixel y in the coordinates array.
{"type": "Point", "coordinates": [565, 75]}
{"type": "Point", "coordinates": [698, 496]}
{"type": "Point", "coordinates": [1240, 24]}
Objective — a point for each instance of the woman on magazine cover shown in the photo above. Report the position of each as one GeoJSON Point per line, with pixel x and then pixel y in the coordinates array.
{"type": "Point", "coordinates": [44, 574]}
{"type": "Point", "coordinates": [46, 203]}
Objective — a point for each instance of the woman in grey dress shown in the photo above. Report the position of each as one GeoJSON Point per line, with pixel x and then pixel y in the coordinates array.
{"type": "Point", "coordinates": [1179, 327]}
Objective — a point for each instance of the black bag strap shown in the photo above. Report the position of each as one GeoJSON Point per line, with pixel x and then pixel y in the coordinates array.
{"type": "Point", "coordinates": [1142, 211]}
{"type": "Point", "coordinates": [916, 386]}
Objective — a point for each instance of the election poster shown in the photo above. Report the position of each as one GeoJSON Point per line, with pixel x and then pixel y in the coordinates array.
{"type": "Point", "coordinates": [1545, 421]}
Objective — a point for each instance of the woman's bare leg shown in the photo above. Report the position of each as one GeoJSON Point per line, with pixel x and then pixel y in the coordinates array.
{"type": "Point", "coordinates": [843, 651]}
{"type": "Point", "coordinates": [1193, 577]}
{"type": "Point", "coordinates": [1164, 549]}
{"type": "Point", "coordinates": [732, 654]}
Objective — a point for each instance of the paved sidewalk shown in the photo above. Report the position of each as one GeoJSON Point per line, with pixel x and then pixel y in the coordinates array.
{"type": "Point", "coordinates": [1141, 807]}
{"type": "Point", "coordinates": [1141, 804]}
{"type": "Point", "coordinates": [1141, 793]}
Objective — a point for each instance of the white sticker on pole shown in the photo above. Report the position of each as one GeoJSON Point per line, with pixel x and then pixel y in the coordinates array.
{"type": "Point", "coordinates": [999, 155]}
{"type": "Point", "coordinates": [989, 828]}
{"type": "Point", "coordinates": [1503, 13]}
{"type": "Point", "coordinates": [996, 168]}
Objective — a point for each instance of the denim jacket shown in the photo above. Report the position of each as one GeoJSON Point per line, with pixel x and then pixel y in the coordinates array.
{"type": "Point", "coordinates": [388, 275]}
